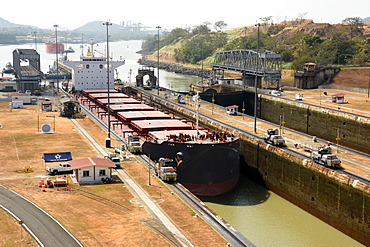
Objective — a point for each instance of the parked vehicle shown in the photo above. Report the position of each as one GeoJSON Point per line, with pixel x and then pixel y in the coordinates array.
{"type": "Point", "coordinates": [272, 136]}
{"type": "Point", "coordinates": [116, 161]}
{"type": "Point", "coordinates": [165, 170]}
{"type": "Point", "coordinates": [275, 93]}
{"type": "Point", "coordinates": [324, 156]}
{"type": "Point", "coordinates": [133, 144]}
{"type": "Point", "coordinates": [63, 167]}
{"type": "Point", "coordinates": [114, 158]}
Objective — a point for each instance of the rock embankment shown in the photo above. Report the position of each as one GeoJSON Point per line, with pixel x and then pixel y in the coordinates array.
{"type": "Point", "coordinates": [176, 68]}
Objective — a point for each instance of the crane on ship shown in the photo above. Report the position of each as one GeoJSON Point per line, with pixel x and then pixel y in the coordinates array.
{"type": "Point", "coordinates": [101, 53]}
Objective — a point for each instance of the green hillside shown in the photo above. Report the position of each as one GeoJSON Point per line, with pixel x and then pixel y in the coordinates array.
{"type": "Point", "coordinates": [298, 41]}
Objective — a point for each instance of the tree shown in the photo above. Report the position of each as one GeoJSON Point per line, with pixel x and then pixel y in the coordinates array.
{"type": "Point", "coordinates": [200, 47]}
{"type": "Point", "coordinates": [266, 20]}
{"type": "Point", "coordinates": [301, 17]}
{"type": "Point", "coordinates": [219, 25]}
{"type": "Point", "coordinates": [201, 29]}
{"type": "Point", "coordinates": [355, 25]}
{"type": "Point", "coordinates": [175, 35]}
{"type": "Point", "coordinates": [313, 40]}
{"type": "Point", "coordinates": [149, 44]}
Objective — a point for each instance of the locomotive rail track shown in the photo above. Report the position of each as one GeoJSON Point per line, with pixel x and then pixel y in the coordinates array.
{"type": "Point", "coordinates": [292, 150]}
{"type": "Point", "coordinates": [105, 201]}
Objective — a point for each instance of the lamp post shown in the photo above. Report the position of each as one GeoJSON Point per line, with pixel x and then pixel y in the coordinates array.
{"type": "Point", "coordinates": [158, 27]}
{"type": "Point", "coordinates": [35, 40]}
{"type": "Point", "coordinates": [107, 143]}
{"type": "Point", "coordinates": [245, 60]}
{"type": "Point", "coordinates": [82, 45]}
{"type": "Point", "coordinates": [256, 78]}
{"type": "Point", "coordinates": [202, 58]}
{"type": "Point", "coordinates": [56, 54]}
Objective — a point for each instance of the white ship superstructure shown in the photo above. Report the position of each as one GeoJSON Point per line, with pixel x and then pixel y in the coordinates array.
{"type": "Point", "coordinates": [90, 72]}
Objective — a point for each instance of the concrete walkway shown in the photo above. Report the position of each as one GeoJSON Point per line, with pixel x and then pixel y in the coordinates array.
{"type": "Point", "coordinates": [152, 207]}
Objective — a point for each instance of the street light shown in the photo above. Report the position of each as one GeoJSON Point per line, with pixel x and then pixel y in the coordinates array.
{"type": "Point", "coordinates": [245, 60]}
{"type": "Point", "coordinates": [35, 40]}
{"type": "Point", "coordinates": [256, 77]}
{"type": "Point", "coordinates": [56, 54]}
{"type": "Point", "coordinates": [158, 27]}
{"type": "Point", "coordinates": [202, 58]}
{"type": "Point", "coordinates": [107, 143]}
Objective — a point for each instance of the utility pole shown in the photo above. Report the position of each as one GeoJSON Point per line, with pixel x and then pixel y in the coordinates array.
{"type": "Point", "coordinates": [107, 143]}
{"type": "Point", "coordinates": [56, 55]}
{"type": "Point", "coordinates": [256, 78]}
{"type": "Point", "coordinates": [158, 27]}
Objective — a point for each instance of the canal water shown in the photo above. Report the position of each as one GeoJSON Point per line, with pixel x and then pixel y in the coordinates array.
{"type": "Point", "coordinates": [259, 214]}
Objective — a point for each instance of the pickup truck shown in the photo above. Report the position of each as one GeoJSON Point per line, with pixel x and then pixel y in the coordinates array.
{"type": "Point", "coordinates": [63, 167]}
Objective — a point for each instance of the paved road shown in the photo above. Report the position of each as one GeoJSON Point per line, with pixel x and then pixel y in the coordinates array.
{"type": "Point", "coordinates": [46, 230]}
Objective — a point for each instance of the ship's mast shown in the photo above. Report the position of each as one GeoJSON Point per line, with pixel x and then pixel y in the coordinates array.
{"type": "Point", "coordinates": [90, 52]}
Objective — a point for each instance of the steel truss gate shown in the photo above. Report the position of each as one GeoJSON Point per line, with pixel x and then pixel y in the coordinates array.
{"type": "Point", "coordinates": [263, 63]}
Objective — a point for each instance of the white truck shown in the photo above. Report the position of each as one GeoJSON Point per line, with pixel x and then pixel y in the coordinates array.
{"type": "Point", "coordinates": [113, 157]}
{"type": "Point", "coordinates": [133, 144]}
{"type": "Point", "coordinates": [324, 156]}
{"type": "Point", "coordinates": [272, 136]}
{"type": "Point", "coordinates": [63, 167]}
{"type": "Point", "coordinates": [165, 171]}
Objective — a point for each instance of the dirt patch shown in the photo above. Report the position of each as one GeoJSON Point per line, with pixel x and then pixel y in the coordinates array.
{"type": "Point", "coordinates": [353, 77]}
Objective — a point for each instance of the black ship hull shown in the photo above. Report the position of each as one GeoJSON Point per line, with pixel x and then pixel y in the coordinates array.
{"type": "Point", "coordinates": [207, 169]}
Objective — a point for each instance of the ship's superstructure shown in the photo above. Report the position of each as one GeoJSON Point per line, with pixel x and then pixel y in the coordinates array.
{"type": "Point", "coordinates": [90, 72]}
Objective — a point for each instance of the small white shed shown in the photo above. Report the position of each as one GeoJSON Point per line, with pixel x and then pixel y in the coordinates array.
{"type": "Point", "coordinates": [91, 170]}
{"type": "Point", "coordinates": [232, 110]}
{"type": "Point", "coordinates": [337, 98]}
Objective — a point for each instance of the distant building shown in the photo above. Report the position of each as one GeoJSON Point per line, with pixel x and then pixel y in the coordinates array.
{"type": "Point", "coordinates": [24, 97]}
{"type": "Point", "coordinates": [311, 76]}
{"type": "Point", "coordinates": [7, 86]}
{"type": "Point", "coordinates": [26, 63]}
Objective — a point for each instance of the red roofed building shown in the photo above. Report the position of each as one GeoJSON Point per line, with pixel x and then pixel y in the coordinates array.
{"type": "Point", "coordinates": [337, 98]}
{"type": "Point", "coordinates": [91, 170]}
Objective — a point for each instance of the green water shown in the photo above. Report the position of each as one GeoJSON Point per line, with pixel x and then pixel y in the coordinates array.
{"type": "Point", "coordinates": [267, 219]}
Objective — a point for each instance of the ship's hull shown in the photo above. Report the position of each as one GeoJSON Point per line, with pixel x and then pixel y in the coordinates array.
{"type": "Point", "coordinates": [207, 170]}
{"type": "Point", "coordinates": [54, 48]}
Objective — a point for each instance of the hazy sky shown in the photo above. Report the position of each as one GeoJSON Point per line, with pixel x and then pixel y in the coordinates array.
{"type": "Point", "coordinates": [171, 14]}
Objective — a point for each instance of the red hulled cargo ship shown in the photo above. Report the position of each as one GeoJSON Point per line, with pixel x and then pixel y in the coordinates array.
{"type": "Point", "coordinates": [207, 162]}
{"type": "Point", "coordinates": [52, 46]}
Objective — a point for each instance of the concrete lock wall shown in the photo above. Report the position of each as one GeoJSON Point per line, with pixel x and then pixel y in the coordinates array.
{"type": "Point", "coordinates": [335, 198]}
{"type": "Point", "coordinates": [352, 130]}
